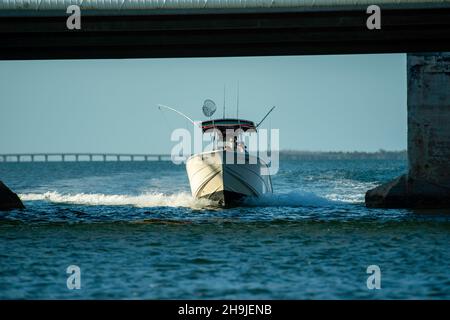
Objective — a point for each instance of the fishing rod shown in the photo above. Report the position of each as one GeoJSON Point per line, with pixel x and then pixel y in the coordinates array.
{"type": "Point", "coordinates": [265, 117]}
{"type": "Point", "coordinates": [174, 110]}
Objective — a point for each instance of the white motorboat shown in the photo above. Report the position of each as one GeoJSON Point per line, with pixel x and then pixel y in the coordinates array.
{"type": "Point", "coordinates": [228, 173]}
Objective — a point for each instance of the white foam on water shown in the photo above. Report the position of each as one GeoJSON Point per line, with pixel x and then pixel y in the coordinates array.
{"type": "Point", "coordinates": [142, 201]}
{"type": "Point", "coordinates": [291, 199]}
{"type": "Point", "coordinates": [183, 199]}
{"type": "Point", "coordinates": [350, 191]}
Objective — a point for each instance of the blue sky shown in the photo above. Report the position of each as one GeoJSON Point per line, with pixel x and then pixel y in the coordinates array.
{"type": "Point", "coordinates": [347, 102]}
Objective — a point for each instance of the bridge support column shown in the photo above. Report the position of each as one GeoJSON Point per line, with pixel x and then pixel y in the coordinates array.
{"type": "Point", "coordinates": [76, 158]}
{"type": "Point", "coordinates": [63, 158]}
{"type": "Point", "coordinates": [46, 157]}
{"type": "Point", "coordinates": [18, 158]}
{"type": "Point", "coordinates": [104, 157]}
{"type": "Point", "coordinates": [4, 158]}
{"type": "Point", "coordinates": [90, 157]}
{"type": "Point", "coordinates": [32, 158]}
{"type": "Point", "coordinates": [427, 183]}
{"type": "Point", "coordinates": [132, 158]}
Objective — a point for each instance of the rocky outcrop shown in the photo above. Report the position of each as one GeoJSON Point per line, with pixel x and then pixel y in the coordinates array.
{"type": "Point", "coordinates": [405, 192]}
{"type": "Point", "coordinates": [389, 195]}
{"type": "Point", "coordinates": [8, 199]}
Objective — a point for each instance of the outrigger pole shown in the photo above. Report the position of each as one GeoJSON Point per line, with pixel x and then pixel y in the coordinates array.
{"type": "Point", "coordinates": [265, 117]}
{"type": "Point", "coordinates": [174, 110]}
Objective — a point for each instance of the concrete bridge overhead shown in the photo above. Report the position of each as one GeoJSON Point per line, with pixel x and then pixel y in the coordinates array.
{"type": "Point", "coordinates": [36, 29]}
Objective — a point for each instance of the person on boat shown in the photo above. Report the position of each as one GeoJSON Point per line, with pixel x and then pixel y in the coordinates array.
{"type": "Point", "coordinates": [241, 147]}
{"type": "Point", "coordinates": [230, 145]}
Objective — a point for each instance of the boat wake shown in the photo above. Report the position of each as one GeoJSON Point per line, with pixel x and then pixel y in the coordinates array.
{"type": "Point", "coordinates": [182, 199]}
{"type": "Point", "coordinates": [144, 200]}
{"type": "Point", "coordinates": [291, 199]}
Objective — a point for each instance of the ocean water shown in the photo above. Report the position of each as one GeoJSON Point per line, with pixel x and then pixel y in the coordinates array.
{"type": "Point", "coordinates": [136, 233]}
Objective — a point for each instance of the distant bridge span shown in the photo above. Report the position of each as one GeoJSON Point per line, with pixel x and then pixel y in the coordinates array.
{"type": "Point", "coordinates": [18, 157]}
{"type": "Point", "coordinates": [36, 29]}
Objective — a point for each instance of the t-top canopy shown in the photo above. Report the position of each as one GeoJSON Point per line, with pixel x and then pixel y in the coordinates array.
{"type": "Point", "coordinates": [224, 124]}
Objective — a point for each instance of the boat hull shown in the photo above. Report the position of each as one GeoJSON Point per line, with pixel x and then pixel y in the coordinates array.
{"type": "Point", "coordinates": [227, 177]}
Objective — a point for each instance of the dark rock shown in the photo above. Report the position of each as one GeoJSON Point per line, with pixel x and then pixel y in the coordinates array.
{"type": "Point", "coordinates": [8, 199]}
{"type": "Point", "coordinates": [389, 195]}
{"type": "Point", "coordinates": [405, 192]}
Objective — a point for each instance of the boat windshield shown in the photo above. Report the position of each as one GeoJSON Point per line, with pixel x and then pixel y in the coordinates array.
{"type": "Point", "coordinates": [230, 137]}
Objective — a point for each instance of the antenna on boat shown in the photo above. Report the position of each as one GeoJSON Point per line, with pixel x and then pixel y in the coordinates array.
{"type": "Point", "coordinates": [174, 110]}
{"type": "Point", "coordinates": [265, 117]}
{"type": "Point", "coordinates": [224, 94]}
{"type": "Point", "coordinates": [237, 102]}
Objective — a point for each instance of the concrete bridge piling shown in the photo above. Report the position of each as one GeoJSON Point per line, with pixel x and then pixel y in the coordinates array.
{"type": "Point", "coordinates": [427, 183]}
